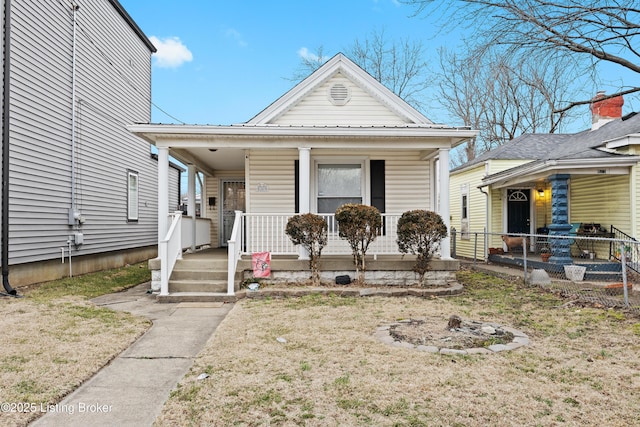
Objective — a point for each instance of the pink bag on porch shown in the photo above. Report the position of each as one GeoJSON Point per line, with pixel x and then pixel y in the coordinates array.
{"type": "Point", "coordinates": [261, 262]}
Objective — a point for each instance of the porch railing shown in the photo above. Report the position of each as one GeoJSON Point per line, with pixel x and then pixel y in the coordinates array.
{"type": "Point", "coordinates": [169, 251]}
{"type": "Point", "coordinates": [266, 233]}
{"type": "Point", "coordinates": [202, 232]}
{"type": "Point", "coordinates": [631, 252]}
{"type": "Point", "coordinates": [234, 251]}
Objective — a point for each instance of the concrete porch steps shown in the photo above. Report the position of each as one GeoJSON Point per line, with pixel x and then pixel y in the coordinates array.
{"type": "Point", "coordinates": [196, 279]}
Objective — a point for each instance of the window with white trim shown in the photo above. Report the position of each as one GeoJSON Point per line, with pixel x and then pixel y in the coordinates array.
{"type": "Point", "coordinates": [132, 195]}
{"type": "Point", "coordinates": [338, 184]}
{"type": "Point", "coordinates": [464, 212]}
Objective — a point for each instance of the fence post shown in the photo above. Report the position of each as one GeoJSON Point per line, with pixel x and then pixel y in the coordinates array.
{"type": "Point", "coordinates": [524, 257]}
{"type": "Point", "coordinates": [475, 248]}
{"type": "Point", "coordinates": [453, 238]}
{"type": "Point", "coordinates": [624, 276]}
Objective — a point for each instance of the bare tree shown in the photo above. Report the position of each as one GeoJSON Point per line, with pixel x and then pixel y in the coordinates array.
{"type": "Point", "coordinates": [397, 64]}
{"type": "Point", "coordinates": [502, 96]}
{"type": "Point", "coordinates": [590, 31]}
{"type": "Point", "coordinates": [309, 62]}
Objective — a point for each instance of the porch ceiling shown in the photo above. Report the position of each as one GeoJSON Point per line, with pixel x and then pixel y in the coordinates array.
{"type": "Point", "coordinates": [223, 147]}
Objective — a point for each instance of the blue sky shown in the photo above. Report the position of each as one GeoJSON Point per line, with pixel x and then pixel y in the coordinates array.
{"type": "Point", "coordinates": [222, 62]}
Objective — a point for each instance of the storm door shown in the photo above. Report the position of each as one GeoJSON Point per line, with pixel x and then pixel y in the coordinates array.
{"type": "Point", "coordinates": [518, 211]}
{"type": "Point", "coordinates": [233, 199]}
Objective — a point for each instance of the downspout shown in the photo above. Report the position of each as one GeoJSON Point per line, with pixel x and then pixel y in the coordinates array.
{"type": "Point", "coordinates": [72, 217]}
{"type": "Point", "coordinates": [5, 149]}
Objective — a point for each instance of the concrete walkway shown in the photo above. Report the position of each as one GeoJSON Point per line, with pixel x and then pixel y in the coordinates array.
{"type": "Point", "coordinates": [132, 389]}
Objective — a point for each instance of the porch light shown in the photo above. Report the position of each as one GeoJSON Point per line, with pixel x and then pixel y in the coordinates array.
{"type": "Point", "coordinates": [540, 192]}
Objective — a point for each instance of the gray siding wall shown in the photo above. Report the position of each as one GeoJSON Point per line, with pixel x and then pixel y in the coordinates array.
{"type": "Point", "coordinates": [1, 110]}
{"type": "Point", "coordinates": [113, 89]}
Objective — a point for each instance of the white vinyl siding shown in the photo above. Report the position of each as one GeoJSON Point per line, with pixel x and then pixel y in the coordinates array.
{"type": "Point", "coordinates": [273, 171]}
{"type": "Point", "coordinates": [112, 91]}
{"type": "Point", "coordinates": [361, 109]}
{"type": "Point", "coordinates": [407, 178]}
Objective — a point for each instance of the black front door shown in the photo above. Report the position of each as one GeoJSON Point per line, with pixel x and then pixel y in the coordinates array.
{"type": "Point", "coordinates": [518, 211]}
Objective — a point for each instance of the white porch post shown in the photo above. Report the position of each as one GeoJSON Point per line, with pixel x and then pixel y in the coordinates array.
{"type": "Point", "coordinates": [443, 191]}
{"type": "Point", "coordinates": [191, 204]}
{"type": "Point", "coordinates": [163, 192]}
{"type": "Point", "coordinates": [304, 180]}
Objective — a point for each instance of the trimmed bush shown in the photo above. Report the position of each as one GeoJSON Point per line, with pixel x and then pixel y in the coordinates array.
{"type": "Point", "coordinates": [359, 225]}
{"type": "Point", "coordinates": [309, 231]}
{"type": "Point", "coordinates": [420, 233]}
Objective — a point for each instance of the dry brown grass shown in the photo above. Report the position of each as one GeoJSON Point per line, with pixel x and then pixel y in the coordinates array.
{"type": "Point", "coordinates": [49, 346]}
{"type": "Point", "coordinates": [582, 367]}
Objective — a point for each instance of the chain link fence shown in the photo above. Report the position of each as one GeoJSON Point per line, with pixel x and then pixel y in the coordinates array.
{"type": "Point", "coordinates": [599, 267]}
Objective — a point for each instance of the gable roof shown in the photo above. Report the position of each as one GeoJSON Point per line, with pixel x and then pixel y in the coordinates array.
{"type": "Point", "coordinates": [581, 150]}
{"type": "Point", "coordinates": [343, 65]}
{"type": "Point", "coordinates": [529, 146]}
{"type": "Point", "coordinates": [586, 144]}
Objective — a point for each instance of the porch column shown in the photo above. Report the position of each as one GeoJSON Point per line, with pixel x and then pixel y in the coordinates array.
{"type": "Point", "coordinates": [163, 192]}
{"type": "Point", "coordinates": [304, 184]}
{"type": "Point", "coordinates": [443, 159]}
{"type": "Point", "coordinates": [560, 249]}
{"type": "Point", "coordinates": [191, 203]}
{"type": "Point", "coordinates": [304, 158]}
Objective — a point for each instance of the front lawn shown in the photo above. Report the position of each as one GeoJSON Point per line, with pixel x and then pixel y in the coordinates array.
{"type": "Point", "coordinates": [54, 338]}
{"type": "Point", "coordinates": [314, 361]}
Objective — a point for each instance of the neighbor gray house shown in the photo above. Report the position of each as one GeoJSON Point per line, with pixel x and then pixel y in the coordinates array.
{"type": "Point", "coordinates": [80, 191]}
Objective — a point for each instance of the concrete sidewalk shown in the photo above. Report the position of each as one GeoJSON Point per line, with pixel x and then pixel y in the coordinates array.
{"type": "Point", "coordinates": [132, 389]}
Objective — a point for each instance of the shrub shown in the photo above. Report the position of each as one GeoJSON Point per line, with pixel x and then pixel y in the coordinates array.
{"type": "Point", "coordinates": [309, 231]}
{"type": "Point", "coordinates": [359, 225]}
{"type": "Point", "coordinates": [420, 233]}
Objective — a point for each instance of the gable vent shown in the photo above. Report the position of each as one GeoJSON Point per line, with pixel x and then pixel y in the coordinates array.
{"type": "Point", "coordinates": [339, 94]}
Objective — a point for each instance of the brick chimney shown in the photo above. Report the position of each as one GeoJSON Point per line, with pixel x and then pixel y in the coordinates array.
{"type": "Point", "coordinates": [605, 111]}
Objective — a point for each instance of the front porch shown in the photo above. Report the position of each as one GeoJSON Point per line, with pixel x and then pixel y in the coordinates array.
{"type": "Point", "coordinates": [201, 276]}
{"type": "Point", "coordinates": [597, 270]}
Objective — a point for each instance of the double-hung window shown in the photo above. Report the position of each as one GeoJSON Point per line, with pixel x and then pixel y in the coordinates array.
{"type": "Point", "coordinates": [338, 184]}
{"type": "Point", "coordinates": [132, 195]}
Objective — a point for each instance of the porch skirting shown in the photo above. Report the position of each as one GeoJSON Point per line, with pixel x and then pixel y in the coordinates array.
{"type": "Point", "coordinates": [385, 271]}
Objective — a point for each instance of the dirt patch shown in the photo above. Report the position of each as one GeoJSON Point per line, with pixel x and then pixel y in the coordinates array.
{"type": "Point", "coordinates": [436, 332]}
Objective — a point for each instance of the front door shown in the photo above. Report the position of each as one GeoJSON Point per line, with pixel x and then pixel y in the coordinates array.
{"type": "Point", "coordinates": [233, 199]}
{"type": "Point", "coordinates": [518, 211]}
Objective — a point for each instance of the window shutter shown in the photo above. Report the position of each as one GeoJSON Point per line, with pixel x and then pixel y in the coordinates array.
{"type": "Point", "coordinates": [377, 184]}
{"type": "Point", "coordinates": [377, 187]}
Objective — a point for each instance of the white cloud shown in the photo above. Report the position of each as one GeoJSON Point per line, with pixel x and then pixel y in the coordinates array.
{"type": "Point", "coordinates": [304, 53]}
{"type": "Point", "coordinates": [171, 53]}
{"type": "Point", "coordinates": [236, 36]}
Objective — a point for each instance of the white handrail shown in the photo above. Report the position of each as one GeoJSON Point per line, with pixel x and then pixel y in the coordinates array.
{"type": "Point", "coordinates": [169, 251]}
{"type": "Point", "coordinates": [234, 252]}
{"type": "Point", "coordinates": [266, 232]}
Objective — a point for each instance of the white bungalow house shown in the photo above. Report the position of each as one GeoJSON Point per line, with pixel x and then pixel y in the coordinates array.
{"type": "Point", "coordinates": [337, 137]}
